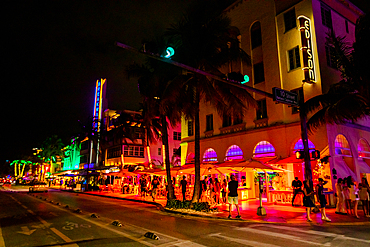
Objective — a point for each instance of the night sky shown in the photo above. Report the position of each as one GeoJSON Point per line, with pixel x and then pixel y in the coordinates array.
{"type": "Point", "coordinates": [56, 50]}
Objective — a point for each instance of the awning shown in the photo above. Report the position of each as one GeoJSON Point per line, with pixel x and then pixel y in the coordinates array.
{"type": "Point", "coordinates": [251, 164]}
{"type": "Point", "coordinates": [363, 166]}
{"type": "Point", "coordinates": [342, 169]}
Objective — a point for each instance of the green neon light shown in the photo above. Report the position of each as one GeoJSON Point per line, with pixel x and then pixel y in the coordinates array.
{"type": "Point", "coordinates": [72, 157]}
{"type": "Point", "coordinates": [246, 79]}
{"type": "Point", "coordinates": [169, 52]}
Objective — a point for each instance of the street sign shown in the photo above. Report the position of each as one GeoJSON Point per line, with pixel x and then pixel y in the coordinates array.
{"type": "Point", "coordinates": [285, 97]}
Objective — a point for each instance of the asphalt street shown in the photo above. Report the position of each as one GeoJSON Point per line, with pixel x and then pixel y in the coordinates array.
{"type": "Point", "coordinates": [65, 219]}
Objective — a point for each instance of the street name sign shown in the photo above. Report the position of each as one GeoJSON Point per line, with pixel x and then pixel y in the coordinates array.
{"type": "Point", "coordinates": [285, 97]}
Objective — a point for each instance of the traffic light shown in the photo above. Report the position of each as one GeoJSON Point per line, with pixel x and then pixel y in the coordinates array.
{"type": "Point", "coordinates": [299, 154]}
{"type": "Point", "coordinates": [315, 154]}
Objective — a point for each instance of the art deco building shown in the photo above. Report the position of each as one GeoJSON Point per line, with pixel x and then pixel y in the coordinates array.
{"type": "Point", "coordinates": [286, 41]}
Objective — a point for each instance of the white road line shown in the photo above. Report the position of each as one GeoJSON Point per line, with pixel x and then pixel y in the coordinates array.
{"type": "Point", "coordinates": [64, 237]}
{"type": "Point", "coordinates": [325, 234]}
{"type": "Point", "coordinates": [278, 235]}
{"type": "Point", "coordinates": [242, 241]}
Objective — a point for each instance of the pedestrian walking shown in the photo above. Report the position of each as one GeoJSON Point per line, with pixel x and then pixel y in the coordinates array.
{"type": "Point", "coordinates": [308, 198]}
{"type": "Point", "coordinates": [203, 189]}
{"type": "Point", "coordinates": [340, 197]}
{"type": "Point", "coordinates": [233, 196]}
{"type": "Point", "coordinates": [183, 183]}
{"type": "Point", "coordinates": [321, 198]}
{"type": "Point", "coordinates": [143, 186]}
{"type": "Point", "coordinates": [217, 191]}
{"type": "Point", "coordinates": [223, 191]}
{"type": "Point", "coordinates": [297, 188]}
{"type": "Point", "coordinates": [155, 184]}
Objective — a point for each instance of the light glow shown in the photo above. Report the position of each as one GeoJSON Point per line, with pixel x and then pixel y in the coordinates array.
{"type": "Point", "coordinates": [307, 49]}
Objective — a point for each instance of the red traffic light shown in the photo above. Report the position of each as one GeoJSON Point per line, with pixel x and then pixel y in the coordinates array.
{"type": "Point", "coordinates": [299, 154]}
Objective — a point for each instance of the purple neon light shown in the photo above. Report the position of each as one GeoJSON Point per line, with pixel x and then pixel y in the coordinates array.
{"type": "Point", "coordinates": [210, 155]}
{"type": "Point", "coordinates": [233, 153]}
{"type": "Point", "coordinates": [264, 149]}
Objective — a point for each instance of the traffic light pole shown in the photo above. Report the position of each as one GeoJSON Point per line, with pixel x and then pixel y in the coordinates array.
{"type": "Point", "coordinates": [304, 136]}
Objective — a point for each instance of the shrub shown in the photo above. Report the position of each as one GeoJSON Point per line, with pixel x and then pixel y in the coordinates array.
{"type": "Point", "coordinates": [197, 206]}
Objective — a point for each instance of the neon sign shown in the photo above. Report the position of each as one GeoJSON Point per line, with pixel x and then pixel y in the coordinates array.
{"type": "Point", "coordinates": [98, 103]}
{"type": "Point", "coordinates": [307, 49]}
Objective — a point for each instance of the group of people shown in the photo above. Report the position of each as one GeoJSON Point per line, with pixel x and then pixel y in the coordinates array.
{"type": "Point", "coordinates": [349, 194]}
{"type": "Point", "coordinates": [213, 191]}
{"type": "Point", "coordinates": [147, 185]}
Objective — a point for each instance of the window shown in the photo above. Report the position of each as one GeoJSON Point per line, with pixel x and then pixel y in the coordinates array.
{"type": "Point", "coordinates": [159, 151]}
{"type": "Point", "coordinates": [264, 149]}
{"type": "Point", "coordinates": [114, 152]}
{"type": "Point", "coordinates": [326, 17]}
{"type": "Point", "coordinates": [139, 133]}
{"type": "Point", "coordinates": [330, 57]}
{"type": "Point", "coordinates": [299, 146]}
{"type": "Point", "coordinates": [84, 145]}
{"type": "Point", "coordinates": [226, 120]}
{"type": "Point", "coordinates": [234, 152]}
{"type": "Point", "coordinates": [341, 146]}
{"type": "Point", "coordinates": [176, 136]}
{"type": "Point", "coordinates": [209, 122]}
{"type": "Point", "coordinates": [210, 155]}
{"type": "Point", "coordinates": [174, 151]}
{"type": "Point", "coordinates": [261, 111]}
{"type": "Point", "coordinates": [294, 59]}
{"type": "Point", "coordinates": [256, 35]}
{"type": "Point", "coordinates": [363, 149]}
{"type": "Point", "coordinates": [134, 151]}
{"type": "Point", "coordinates": [238, 120]}
{"type": "Point", "coordinates": [190, 128]}
{"type": "Point", "coordinates": [259, 73]}
{"type": "Point", "coordinates": [346, 22]}
{"type": "Point", "coordinates": [290, 20]}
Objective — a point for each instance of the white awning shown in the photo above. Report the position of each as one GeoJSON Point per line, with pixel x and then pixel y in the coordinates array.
{"type": "Point", "coordinates": [342, 169]}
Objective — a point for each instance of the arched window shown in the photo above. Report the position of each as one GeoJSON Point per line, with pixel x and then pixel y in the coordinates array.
{"type": "Point", "coordinates": [363, 149]}
{"type": "Point", "coordinates": [234, 153]}
{"type": "Point", "coordinates": [210, 155]}
{"type": "Point", "coordinates": [264, 149]}
{"type": "Point", "coordinates": [190, 158]}
{"type": "Point", "coordinates": [256, 37]}
{"type": "Point", "coordinates": [299, 146]}
{"type": "Point", "coordinates": [341, 146]}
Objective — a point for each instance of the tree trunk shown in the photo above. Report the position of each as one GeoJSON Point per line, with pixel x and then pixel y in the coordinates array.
{"type": "Point", "coordinates": [167, 158]}
{"type": "Point", "coordinates": [196, 149]}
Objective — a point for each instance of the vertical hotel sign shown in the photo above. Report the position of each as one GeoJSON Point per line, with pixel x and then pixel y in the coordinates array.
{"type": "Point", "coordinates": [307, 49]}
{"type": "Point", "coordinates": [98, 103]}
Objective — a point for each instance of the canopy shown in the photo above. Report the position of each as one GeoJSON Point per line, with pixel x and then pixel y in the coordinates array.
{"type": "Point", "coordinates": [364, 167]}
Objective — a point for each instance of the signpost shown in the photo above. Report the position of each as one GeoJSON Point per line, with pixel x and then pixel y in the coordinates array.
{"type": "Point", "coordinates": [285, 97]}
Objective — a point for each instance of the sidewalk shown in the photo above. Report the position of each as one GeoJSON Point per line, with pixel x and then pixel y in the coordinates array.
{"type": "Point", "coordinates": [248, 209]}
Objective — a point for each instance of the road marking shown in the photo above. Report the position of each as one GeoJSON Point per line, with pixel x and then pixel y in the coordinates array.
{"type": "Point", "coordinates": [64, 237]}
{"type": "Point", "coordinates": [277, 235]}
{"type": "Point", "coordinates": [325, 234]}
{"type": "Point", "coordinates": [180, 243]}
{"type": "Point", "coordinates": [26, 230]}
{"type": "Point", "coordinates": [242, 241]}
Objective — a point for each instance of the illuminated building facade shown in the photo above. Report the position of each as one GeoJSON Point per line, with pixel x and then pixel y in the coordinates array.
{"type": "Point", "coordinates": [286, 41]}
{"type": "Point", "coordinates": [123, 152]}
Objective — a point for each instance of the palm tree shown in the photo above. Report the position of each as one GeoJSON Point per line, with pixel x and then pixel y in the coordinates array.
{"type": "Point", "coordinates": [202, 40]}
{"type": "Point", "coordinates": [51, 150]}
{"type": "Point", "coordinates": [154, 78]}
{"type": "Point", "coordinates": [349, 99]}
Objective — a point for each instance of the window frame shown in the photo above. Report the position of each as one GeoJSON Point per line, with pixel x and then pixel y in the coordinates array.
{"type": "Point", "coordinates": [258, 73]}
{"type": "Point", "coordinates": [294, 61]}
{"type": "Point", "coordinates": [209, 122]}
{"type": "Point", "coordinates": [326, 18]}
{"type": "Point", "coordinates": [262, 107]}
{"type": "Point", "coordinates": [256, 35]}
{"type": "Point", "coordinates": [190, 128]}
{"type": "Point", "coordinates": [290, 20]}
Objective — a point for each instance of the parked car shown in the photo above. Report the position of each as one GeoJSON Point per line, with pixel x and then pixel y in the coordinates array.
{"type": "Point", "coordinates": [38, 186]}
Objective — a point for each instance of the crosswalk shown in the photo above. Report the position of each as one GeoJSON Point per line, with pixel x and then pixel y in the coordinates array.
{"type": "Point", "coordinates": [268, 235]}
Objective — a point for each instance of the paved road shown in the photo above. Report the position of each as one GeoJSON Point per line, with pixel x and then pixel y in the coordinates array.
{"type": "Point", "coordinates": [29, 221]}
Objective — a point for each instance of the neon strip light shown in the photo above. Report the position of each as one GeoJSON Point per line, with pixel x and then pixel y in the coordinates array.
{"type": "Point", "coordinates": [307, 49]}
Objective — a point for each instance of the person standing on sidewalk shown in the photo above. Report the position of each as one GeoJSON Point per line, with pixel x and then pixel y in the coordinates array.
{"type": "Point", "coordinates": [233, 196]}
{"type": "Point", "coordinates": [183, 187]}
{"type": "Point", "coordinates": [340, 197]}
{"type": "Point", "coordinates": [321, 198]}
{"type": "Point", "coordinates": [155, 184]}
{"type": "Point", "coordinates": [297, 188]}
{"type": "Point", "coordinates": [143, 184]}
{"type": "Point", "coordinates": [308, 198]}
